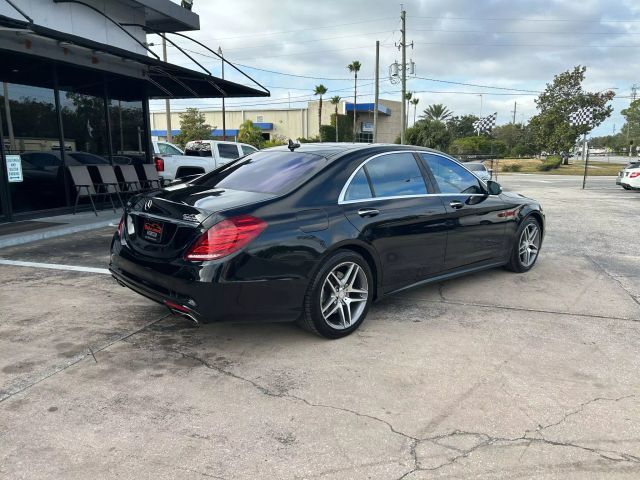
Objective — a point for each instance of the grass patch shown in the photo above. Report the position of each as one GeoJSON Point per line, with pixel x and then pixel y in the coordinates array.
{"type": "Point", "coordinates": [534, 165]}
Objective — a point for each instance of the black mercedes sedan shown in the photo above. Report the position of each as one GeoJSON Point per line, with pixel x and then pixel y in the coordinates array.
{"type": "Point", "coordinates": [316, 233]}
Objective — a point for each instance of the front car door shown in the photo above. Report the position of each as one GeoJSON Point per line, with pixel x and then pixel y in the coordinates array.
{"type": "Point", "coordinates": [476, 227]}
{"type": "Point", "coordinates": [387, 199]}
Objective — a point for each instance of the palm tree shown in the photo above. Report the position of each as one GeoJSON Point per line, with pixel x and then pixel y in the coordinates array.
{"type": "Point", "coordinates": [407, 98]}
{"type": "Point", "coordinates": [336, 101]}
{"type": "Point", "coordinates": [415, 102]}
{"type": "Point", "coordinates": [320, 90]}
{"type": "Point", "coordinates": [437, 112]}
{"type": "Point", "coordinates": [354, 67]}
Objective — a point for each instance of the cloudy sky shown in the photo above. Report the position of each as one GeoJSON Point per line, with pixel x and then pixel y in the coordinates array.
{"type": "Point", "coordinates": [292, 46]}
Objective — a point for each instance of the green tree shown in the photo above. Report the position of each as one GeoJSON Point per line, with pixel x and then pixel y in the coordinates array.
{"type": "Point", "coordinates": [335, 101]}
{"type": "Point", "coordinates": [428, 133]}
{"type": "Point", "coordinates": [193, 126]}
{"type": "Point", "coordinates": [436, 111]}
{"type": "Point", "coordinates": [415, 102]}
{"type": "Point", "coordinates": [461, 126]}
{"type": "Point", "coordinates": [563, 96]}
{"type": "Point", "coordinates": [630, 131]}
{"type": "Point", "coordinates": [354, 67]}
{"type": "Point", "coordinates": [249, 133]}
{"type": "Point", "coordinates": [478, 145]}
{"type": "Point", "coordinates": [320, 90]}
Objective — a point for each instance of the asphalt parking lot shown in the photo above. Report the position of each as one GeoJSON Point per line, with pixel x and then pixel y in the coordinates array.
{"type": "Point", "coordinates": [496, 375]}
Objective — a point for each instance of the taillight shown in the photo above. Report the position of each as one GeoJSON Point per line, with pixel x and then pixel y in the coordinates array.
{"type": "Point", "coordinates": [120, 225]}
{"type": "Point", "coordinates": [634, 174]}
{"type": "Point", "coordinates": [159, 161]}
{"type": "Point", "coordinates": [226, 237]}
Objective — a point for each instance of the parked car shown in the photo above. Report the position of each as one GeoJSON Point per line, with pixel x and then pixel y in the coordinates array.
{"type": "Point", "coordinates": [200, 156]}
{"type": "Point", "coordinates": [316, 233]}
{"type": "Point", "coordinates": [629, 178]}
{"type": "Point", "coordinates": [479, 170]}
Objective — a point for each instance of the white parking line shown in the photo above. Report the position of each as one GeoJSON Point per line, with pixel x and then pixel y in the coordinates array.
{"type": "Point", "coordinates": [54, 266]}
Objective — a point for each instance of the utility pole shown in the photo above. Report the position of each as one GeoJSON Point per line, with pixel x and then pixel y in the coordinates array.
{"type": "Point", "coordinates": [376, 97]}
{"type": "Point", "coordinates": [403, 46]}
{"type": "Point", "coordinates": [167, 102]}
{"type": "Point", "coordinates": [515, 108]}
{"type": "Point", "coordinates": [480, 118]}
{"type": "Point", "coordinates": [224, 120]}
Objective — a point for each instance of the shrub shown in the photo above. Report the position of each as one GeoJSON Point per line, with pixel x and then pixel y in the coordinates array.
{"type": "Point", "coordinates": [552, 162]}
{"type": "Point", "coordinates": [514, 167]}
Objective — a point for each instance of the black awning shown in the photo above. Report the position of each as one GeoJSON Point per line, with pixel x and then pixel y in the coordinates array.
{"type": "Point", "coordinates": [164, 80]}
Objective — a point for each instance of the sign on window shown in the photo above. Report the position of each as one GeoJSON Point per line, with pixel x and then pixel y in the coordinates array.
{"type": "Point", "coordinates": [367, 126]}
{"type": "Point", "coordinates": [14, 168]}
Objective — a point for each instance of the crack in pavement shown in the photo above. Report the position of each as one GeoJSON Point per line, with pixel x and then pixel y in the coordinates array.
{"type": "Point", "coordinates": [485, 440]}
{"type": "Point", "coordinates": [524, 309]}
{"type": "Point", "coordinates": [614, 278]}
{"type": "Point", "coordinates": [8, 392]}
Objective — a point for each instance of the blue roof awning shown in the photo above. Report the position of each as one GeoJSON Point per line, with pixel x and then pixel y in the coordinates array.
{"type": "Point", "coordinates": [368, 107]}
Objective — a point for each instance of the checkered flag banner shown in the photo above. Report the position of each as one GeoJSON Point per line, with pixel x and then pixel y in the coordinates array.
{"type": "Point", "coordinates": [485, 124]}
{"type": "Point", "coordinates": [584, 116]}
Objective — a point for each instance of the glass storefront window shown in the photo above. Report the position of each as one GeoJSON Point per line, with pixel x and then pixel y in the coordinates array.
{"type": "Point", "coordinates": [84, 123]}
{"type": "Point", "coordinates": [128, 135]}
{"type": "Point", "coordinates": [31, 140]}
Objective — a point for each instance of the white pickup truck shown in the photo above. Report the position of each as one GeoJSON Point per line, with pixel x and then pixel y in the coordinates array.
{"type": "Point", "coordinates": [200, 156]}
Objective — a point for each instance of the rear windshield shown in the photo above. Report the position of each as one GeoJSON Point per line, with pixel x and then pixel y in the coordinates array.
{"type": "Point", "coordinates": [475, 167]}
{"type": "Point", "coordinates": [264, 172]}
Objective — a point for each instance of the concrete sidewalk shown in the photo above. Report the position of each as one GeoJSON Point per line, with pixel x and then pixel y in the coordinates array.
{"type": "Point", "coordinates": [62, 225]}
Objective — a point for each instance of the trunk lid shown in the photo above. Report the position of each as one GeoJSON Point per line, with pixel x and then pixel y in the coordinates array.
{"type": "Point", "coordinates": [164, 224]}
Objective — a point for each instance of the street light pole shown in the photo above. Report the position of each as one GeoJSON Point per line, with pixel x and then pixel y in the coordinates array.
{"type": "Point", "coordinates": [224, 120]}
{"type": "Point", "coordinates": [167, 102]}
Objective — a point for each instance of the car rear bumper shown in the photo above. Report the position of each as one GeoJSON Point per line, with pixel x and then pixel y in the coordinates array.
{"type": "Point", "coordinates": [195, 293]}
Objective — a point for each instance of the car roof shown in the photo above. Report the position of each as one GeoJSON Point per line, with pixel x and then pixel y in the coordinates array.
{"type": "Point", "coordinates": [332, 149]}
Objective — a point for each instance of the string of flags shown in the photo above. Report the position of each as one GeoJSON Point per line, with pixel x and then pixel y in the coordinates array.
{"type": "Point", "coordinates": [485, 124]}
{"type": "Point", "coordinates": [584, 116]}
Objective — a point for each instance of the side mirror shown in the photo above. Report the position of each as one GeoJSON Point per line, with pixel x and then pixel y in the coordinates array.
{"type": "Point", "coordinates": [494, 188]}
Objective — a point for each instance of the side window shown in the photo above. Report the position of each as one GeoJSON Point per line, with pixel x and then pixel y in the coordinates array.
{"type": "Point", "coordinates": [359, 187]}
{"type": "Point", "coordinates": [228, 150]}
{"type": "Point", "coordinates": [395, 174]}
{"type": "Point", "coordinates": [162, 147]}
{"type": "Point", "coordinates": [247, 150]}
{"type": "Point", "coordinates": [168, 148]}
{"type": "Point", "coordinates": [451, 177]}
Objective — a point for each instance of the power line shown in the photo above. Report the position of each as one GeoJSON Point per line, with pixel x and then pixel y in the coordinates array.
{"type": "Point", "coordinates": [538, 45]}
{"type": "Point", "coordinates": [283, 32]}
{"type": "Point", "coordinates": [315, 40]}
{"type": "Point", "coordinates": [485, 32]}
{"type": "Point", "coordinates": [477, 85]}
{"type": "Point", "coordinates": [500, 19]}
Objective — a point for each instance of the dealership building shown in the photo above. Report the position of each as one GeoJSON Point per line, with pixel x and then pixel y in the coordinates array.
{"type": "Point", "coordinates": [294, 122]}
{"type": "Point", "coordinates": [77, 77]}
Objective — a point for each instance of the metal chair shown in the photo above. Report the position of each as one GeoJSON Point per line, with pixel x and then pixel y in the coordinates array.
{"type": "Point", "coordinates": [82, 181]}
{"type": "Point", "coordinates": [109, 185]}
{"type": "Point", "coordinates": [153, 180]}
{"type": "Point", "coordinates": [131, 182]}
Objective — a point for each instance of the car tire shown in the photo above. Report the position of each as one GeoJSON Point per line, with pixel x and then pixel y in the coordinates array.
{"type": "Point", "coordinates": [526, 246]}
{"type": "Point", "coordinates": [339, 296]}
{"type": "Point", "coordinates": [626, 187]}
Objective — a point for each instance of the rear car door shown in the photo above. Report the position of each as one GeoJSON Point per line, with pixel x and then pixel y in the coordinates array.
{"type": "Point", "coordinates": [476, 220]}
{"type": "Point", "coordinates": [388, 201]}
{"type": "Point", "coordinates": [227, 152]}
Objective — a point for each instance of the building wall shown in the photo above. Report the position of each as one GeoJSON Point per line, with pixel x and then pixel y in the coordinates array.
{"type": "Point", "coordinates": [293, 123]}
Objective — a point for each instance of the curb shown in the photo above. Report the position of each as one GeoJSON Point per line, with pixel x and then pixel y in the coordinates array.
{"type": "Point", "coordinates": [55, 232]}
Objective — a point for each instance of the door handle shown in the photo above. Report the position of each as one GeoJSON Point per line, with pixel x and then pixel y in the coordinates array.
{"type": "Point", "coordinates": [456, 204]}
{"type": "Point", "coordinates": [368, 212]}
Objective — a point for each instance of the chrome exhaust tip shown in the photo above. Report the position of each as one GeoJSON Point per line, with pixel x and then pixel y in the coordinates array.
{"type": "Point", "coordinates": [186, 315]}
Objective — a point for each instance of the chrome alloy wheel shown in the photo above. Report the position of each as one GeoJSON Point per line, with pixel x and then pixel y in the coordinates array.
{"type": "Point", "coordinates": [529, 244]}
{"type": "Point", "coordinates": [344, 295]}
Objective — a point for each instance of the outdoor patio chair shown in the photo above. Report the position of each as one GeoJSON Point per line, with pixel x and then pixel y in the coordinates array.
{"type": "Point", "coordinates": [153, 180]}
{"type": "Point", "coordinates": [82, 182]}
{"type": "Point", "coordinates": [109, 185]}
{"type": "Point", "coordinates": [131, 182]}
